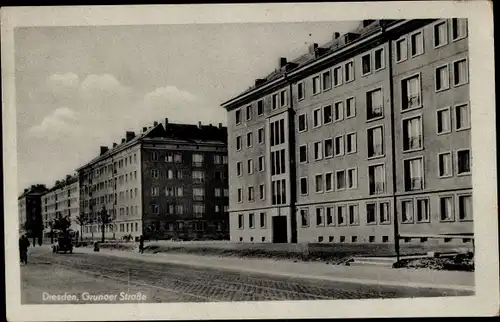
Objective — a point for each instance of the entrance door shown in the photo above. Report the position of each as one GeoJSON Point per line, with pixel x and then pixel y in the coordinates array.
{"type": "Point", "coordinates": [279, 230]}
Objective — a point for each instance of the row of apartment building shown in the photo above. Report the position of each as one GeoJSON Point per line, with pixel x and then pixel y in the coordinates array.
{"type": "Point", "coordinates": [357, 141]}
{"type": "Point", "coordinates": [170, 180]}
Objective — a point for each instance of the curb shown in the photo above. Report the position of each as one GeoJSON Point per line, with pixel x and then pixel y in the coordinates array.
{"type": "Point", "coordinates": [304, 276]}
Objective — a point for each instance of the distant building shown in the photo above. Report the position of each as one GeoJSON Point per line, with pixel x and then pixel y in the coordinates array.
{"type": "Point", "coordinates": [358, 140]}
{"type": "Point", "coordinates": [170, 180]}
{"type": "Point", "coordinates": [62, 198]}
{"type": "Point", "coordinates": [30, 210]}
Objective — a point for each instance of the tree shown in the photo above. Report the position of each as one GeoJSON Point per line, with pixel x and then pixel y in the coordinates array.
{"type": "Point", "coordinates": [81, 220]}
{"type": "Point", "coordinates": [104, 219]}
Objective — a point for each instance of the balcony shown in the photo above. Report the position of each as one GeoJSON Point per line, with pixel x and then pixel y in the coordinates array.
{"type": "Point", "coordinates": [375, 111]}
{"type": "Point", "coordinates": [377, 188]}
{"type": "Point", "coordinates": [413, 142]}
{"type": "Point", "coordinates": [413, 184]}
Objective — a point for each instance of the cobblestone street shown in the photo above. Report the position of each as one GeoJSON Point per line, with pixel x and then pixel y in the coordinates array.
{"type": "Point", "coordinates": [78, 273]}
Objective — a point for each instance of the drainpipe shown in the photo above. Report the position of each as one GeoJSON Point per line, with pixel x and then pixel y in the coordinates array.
{"type": "Point", "coordinates": [292, 165]}
{"type": "Point", "coordinates": [393, 149]}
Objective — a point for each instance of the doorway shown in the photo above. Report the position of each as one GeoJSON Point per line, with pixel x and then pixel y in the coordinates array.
{"type": "Point", "coordinates": [280, 230]}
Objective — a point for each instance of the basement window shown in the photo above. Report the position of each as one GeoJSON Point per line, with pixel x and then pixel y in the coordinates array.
{"type": "Point", "coordinates": [371, 239]}
{"type": "Point", "coordinates": [320, 239]}
{"type": "Point", "coordinates": [385, 239]}
{"type": "Point", "coordinates": [330, 239]}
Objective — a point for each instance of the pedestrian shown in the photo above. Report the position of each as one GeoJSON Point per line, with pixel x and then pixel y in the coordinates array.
{"type": "Point", "coordinates": [24, 243]}
{"type": "Point", "coordinates": [141, 244]}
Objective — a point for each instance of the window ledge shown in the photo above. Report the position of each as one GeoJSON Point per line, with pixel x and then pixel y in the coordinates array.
{"type": "Point", "coordinates": [465, 174]}
{"type": "Point", "coordinates": [413, 150]}
{"type": "Point", "coordinates": [463, 129]}
{"type": "Point", "coordinates": [385, 223]}
{"type": "Point", "coordinates": [376, 157]}
{"type": "Point", "coordinates": [423, 221]}
{"type": "Point", "coordinates": [444, 133]}
{"type": "Point", "coordinates": [374, 119]}
{"type": "Point", "coordinates": [411, 109]}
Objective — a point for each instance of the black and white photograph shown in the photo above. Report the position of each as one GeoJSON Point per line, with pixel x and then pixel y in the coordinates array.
{"type": "Point", "coordinates": [249, 161]}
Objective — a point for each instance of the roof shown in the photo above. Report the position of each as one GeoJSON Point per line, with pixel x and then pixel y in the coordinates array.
{"type": "Point", "coordinates": [34, 190]}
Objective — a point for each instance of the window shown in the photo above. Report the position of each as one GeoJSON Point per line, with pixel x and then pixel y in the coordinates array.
{"type": "Point", "coordinates": [303, 154]}
{"type": "Point", "coordinates": [251, 221]}
{"type": "Point", "coordinates": [350, 107]}
{"type": "Point", "coordinates": [317, 118]}
{"type": "Point", "coordinates": [274, 101]}
{"type": "Point", "coordinates": [401, 50]}
{"type": "Point", "coordinates": [351, 139]}
{"type": "Point", "coordinates": [179, 209]}
{"type": "Point", "coordinates": [341, 180]}
{"type": "Point", "coordinates": [458, 28]}
{"type": "Point", "coordinates": [411, 93]}
{"type": "Point", "coordinates": [329, 216]}
{"type": "Point", "coordinates": [260, 135]}
{"type": "Point", "coordinates": [442, 78]}
{"type": "Point", "coordinates": [328, 148]}
{"type": "Point", "coordinates": [384, 213]}
{"type": "Point", "coordinates": [238, 117]}
{"type": "Point", "coordinates": [375, 142]}
{"type": "Point", "coordinates": [412, 133]}
{"type": "Point", "coordinates": [440, 34]}
{"type": "Point", "coordinates": [320, 220]}
{"type": "Point", "coordinates": [414, 171]}
{"type": "Point", "coordinates": [261, 163]}
{"type": "Point", "coordinates": [417, 44]}
{"type": "Point", "coordinates": [341, 216]}
{"type": "Point", "coordinates": [277, 132]}
{"type": "Point", "coordinates": [352, 178]}
{"type": "Point", "coordinates": [445, 167]}
{"type": "Point", "coordinates": [239, 169]}
{"type": "Point", "coordinates": [349, 71]}
{"type": "Point", "coordinates": [339, 146]}
{"type": "Point", "coordinates": [240, 221]}
{"type": "Point", "coordinates": [283, 98]}
{"type": "Point", "coordinates": [178, 157]}
{"type": "Point", "coordinates": [250, 166]}
{"type": "Point", "coordinates": [303, 186]}
{"type": "Point", "coordinates": [155, 209]}
{"type": "Point", "coordinates": [154, 174]}
{"type": "Point", "coordinates": [329, 181]}
{"type": "Point", "coordinates": [304, 217]}
{"type": "Point", "coordinates": [316, 85]}
{"type": "Point", "coordinates": [374, 104]}
{"type": "Point", "coordinates": [238, 143]}
{"type": "Point", "coordinates": [249, 139]}
{"type": "Point", "coordinates": [278, 192]}
{"type": "Point", "coordinates": [318, 151]}
{"type": "Point", "coordinates": [260, 107]}
{"type": "Point", "coordinates": [318, 183]}
{"type": "Point", "coordinates": [262, 192]}
{"type": "Point", "coordinates": [154, 156]}
{"type": "Point", "coordinates": [263, 220]}
{"type": "Point", "coordinates": [423, 213]}
{"type": "Point", "coordinates": [465, 207]}
{"type": "Point", "coordinates": [379, 59]}
{"type": "Point", "coordinates": [339, 111]}
{"type": "Point", "coordinates": [225, 192]}
{"type": "Point", "coordinates": [337, 76]}
{"type": "Point", "coordinates": [443, 121]}
{"type": "Point", "coordinates": [154, 192]}
{"type": "Point", "coordinates": [460, 72]}
{"type": "Point", "coordinates": [366, 67]}
{"type": "Point", "coordinates": [376, 174]}
{"type": "Point", "coordinates": [300, 91]}
{"type": "Point", "coordinates": [278, 164]}
{"type": "Point", "coordinates": [249, 112]}
{"type": "Point", "coordinates": [217, 192]}
{"type": "Point", "coordinates": [197, 159]}
{"type": "Point", "coordinates": [446, 208]}
{"type": "Point", "coordinates": [327, 80]}
{"type": "Point", "coordinates": [353, 215]}
{"type": "Point", "coordinates": [198, 193]}
{"type": "Point", "coordinates": [224, 159]}
{"type": "Point", "coordinates": [462, 120]}
{"type": "Point", "coordinates": [371, 215]}
{"type": "Point", "coordinates": [463, 160]}
{"type": "Point", "coordinates": [407, 211]}
{"type": "Point", "coordinates": [327, 114]}
{"type": "Point", "coordinates": [240, 195]}
{"type": "Point", "coordinates": [302, 123]}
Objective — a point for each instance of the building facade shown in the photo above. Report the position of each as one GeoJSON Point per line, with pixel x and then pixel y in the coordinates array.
{"type": "Point", "coordinates": [63, 199]}
{"type": "Point", "coordinates": [168, 181]}
{"type": "Point", "coordinates": [30, 211]}
{"type": "Point", "coordinates": [358, 141]}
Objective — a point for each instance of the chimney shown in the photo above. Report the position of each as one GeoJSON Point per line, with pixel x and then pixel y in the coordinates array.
{"type": "Point", "coordinates": [220, 125]}
{"type": "Point", "coordinates": [336, 35]}
{"type": "Point", "coordinates": [259, 81]}
{"type": "Point", "coordinates": [123, 140]}
{"type": "Point", "coordinates": [129, 135]}
{"type": "Point", "coordinates": [283, 62]}
{"type": "Point", "coordinates": [115, 145]}
{"type": "Point", "coordinates": [144, 129]}
{"type": "Point", "coordinates": [25, 190]}
{"type": "Point", "coordinates": [166, 123]}
{"type": "Point", "coordinates": [199, 124]}
{"type": "Point", "coordinates": [312, 48]}
{"type": "Point", "coordinates": [155, 123]}
{"type": "Point", "coordinates": [104, 149]}
{"type": "Point", "coordinates": [366, 23]}
{"type": "Point", "coordinates": [68, 177]}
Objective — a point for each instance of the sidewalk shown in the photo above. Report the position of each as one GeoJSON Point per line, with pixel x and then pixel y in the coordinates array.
{"type": "Point", "coordinates": [421, 278]}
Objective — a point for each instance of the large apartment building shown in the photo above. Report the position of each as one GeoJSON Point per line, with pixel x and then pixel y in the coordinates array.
{"type": "Point", "coordinates": [30, 210]}
{"type": "Point", "coordinates": [63, 199]}
{"type": "Point", "coordinates": [168, 181]}
{"type": "Point", "coordinates": [358, 141]}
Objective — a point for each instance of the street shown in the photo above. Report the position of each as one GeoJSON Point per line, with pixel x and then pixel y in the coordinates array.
{"type": "Point", "coordinates": [49, 274]}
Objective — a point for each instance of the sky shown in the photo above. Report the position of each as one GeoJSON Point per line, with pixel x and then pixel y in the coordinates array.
{"type": "Point", "coordinates": [78, 88]}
